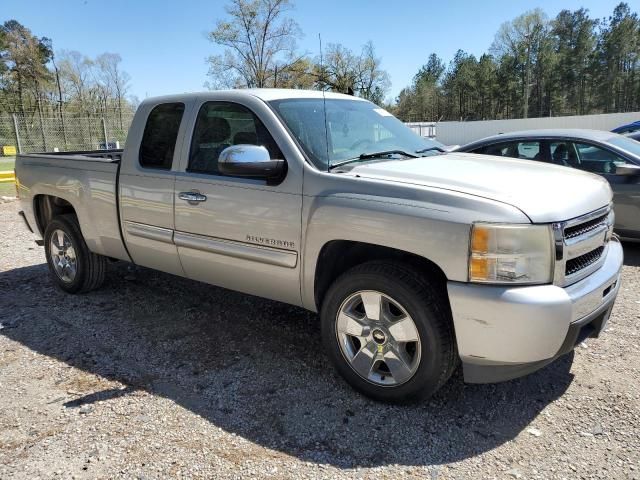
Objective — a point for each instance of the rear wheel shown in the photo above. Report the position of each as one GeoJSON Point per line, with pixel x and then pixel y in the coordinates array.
{"type": "Point", "coordinates": [72, 266]}
{"type": "Point", "coordinates": [388, 331]}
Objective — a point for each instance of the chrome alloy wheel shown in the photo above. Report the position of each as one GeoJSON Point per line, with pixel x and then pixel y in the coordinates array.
{"type": "Point", "coordinates": [63, 256]}
{"type": "Point", "coordinates": [378, 338]}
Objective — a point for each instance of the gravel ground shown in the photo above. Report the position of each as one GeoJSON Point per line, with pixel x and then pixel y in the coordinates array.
{"type": "Point", "coordinates": [154, 376]}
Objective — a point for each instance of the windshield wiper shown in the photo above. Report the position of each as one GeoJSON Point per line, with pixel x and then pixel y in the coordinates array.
{"type": "Point", "coordinates": [387, 152]}
{"type": "Point", "coordinates": [365, 156]}
{"type": "Point", "coordinates": [430, 149]}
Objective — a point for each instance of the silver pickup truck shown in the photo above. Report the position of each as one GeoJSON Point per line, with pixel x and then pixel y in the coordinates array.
{"type": "Point", "coordinates": [415, 259]}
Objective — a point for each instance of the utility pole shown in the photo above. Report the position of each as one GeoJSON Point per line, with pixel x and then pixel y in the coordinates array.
{"type": "Point", "coordinates": [64, 131]}
{"type": "Point", "coordinates": [17, 132]}
{"type": "Point", "coordinates": [104, 131]}
{"type": "Point", "coordinates": [527, 74]}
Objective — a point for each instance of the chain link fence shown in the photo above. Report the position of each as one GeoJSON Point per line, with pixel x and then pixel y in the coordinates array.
{"type": "Point", "coordinates": [31, 133]}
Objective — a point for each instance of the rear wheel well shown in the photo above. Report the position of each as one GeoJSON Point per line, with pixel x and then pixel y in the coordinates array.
{"type": "Point", "coordinates": [338, 256]}
{"type": "Point", "coordinates": [46, 207]}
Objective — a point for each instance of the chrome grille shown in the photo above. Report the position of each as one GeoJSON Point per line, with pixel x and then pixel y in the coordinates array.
{"type": "Point", "coordinates": [581, 245]}
{"type": "Point", "coordinates": [583, 261]}
{"type": "Point", "coordinates": [586, 227]}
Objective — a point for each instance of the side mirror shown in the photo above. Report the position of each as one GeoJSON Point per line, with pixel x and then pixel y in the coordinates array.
{"type": "Point", "coordinates": [251, 161]}
{"type": "Point", "coordinates": [627, 169]}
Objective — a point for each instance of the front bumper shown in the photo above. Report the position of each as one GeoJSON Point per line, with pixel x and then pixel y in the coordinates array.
{"type": "Point", "coordinates": [506, 332]}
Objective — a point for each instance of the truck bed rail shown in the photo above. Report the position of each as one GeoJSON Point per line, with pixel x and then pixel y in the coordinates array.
{"type": "Point", "coordinates": [97, 155]}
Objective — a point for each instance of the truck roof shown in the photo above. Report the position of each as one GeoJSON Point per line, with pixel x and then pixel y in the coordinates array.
{"type": "Point", "coordinates": [266, 94]}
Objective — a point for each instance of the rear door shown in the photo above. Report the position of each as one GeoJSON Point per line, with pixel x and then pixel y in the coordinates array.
{"type": "Point", "coordinates": [241, 233]}
{"type": "Point", "coordinates": [146, 185]}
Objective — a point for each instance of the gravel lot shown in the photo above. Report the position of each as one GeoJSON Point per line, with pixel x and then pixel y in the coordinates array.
{"type": "Point", "coordinates": [155, 376]}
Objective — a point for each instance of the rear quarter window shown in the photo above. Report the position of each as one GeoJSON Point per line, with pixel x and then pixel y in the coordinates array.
{"type": "Point", "coordinates": [160, 135]}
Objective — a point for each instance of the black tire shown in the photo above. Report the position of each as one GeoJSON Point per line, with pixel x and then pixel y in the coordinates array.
{"type": "Point", "coordinates": [425, 301]}
{"type": "Point", "coordinates": [90, 267]}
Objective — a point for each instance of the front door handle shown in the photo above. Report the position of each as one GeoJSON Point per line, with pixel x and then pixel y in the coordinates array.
{"type": "Point", "coordinates": [192, 197]}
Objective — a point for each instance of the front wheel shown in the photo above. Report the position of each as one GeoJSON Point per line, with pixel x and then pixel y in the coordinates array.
{"type": "Point", "coordinates": [73, 267]}
{"type": "Point", "coordinates": [388, 331]}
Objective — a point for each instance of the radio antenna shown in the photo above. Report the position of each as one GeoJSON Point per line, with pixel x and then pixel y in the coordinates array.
{"type": "Point", "coordinates": [324, 103]}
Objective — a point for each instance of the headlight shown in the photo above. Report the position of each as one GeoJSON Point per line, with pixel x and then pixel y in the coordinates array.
{"type": "Point", "coordinates": [510, 253]}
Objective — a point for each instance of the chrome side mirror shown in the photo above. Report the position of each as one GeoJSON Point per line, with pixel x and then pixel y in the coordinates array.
{"type": "Point", "coordinates": [251, 161]}
{"type": "Point", "coordinates": [627, 169]}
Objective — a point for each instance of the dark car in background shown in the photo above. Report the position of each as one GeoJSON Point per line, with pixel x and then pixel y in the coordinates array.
{"type": "Point", "coordinates": [633, 135]}
{"type": "Point", "coordinates": [627, 128]}
{"type": "Point", "coordinates": [612, 156]}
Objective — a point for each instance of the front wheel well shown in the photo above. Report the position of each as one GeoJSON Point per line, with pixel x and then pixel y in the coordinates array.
{"type": "Point", "coordinates": [46, 207]}
{"type": "Point", "coordinates": [338, 256]}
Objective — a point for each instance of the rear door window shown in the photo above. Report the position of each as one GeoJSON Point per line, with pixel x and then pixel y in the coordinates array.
{"type": "Point", "coordinates": [563, 153]}
{"type": "Point", "coordinates": [160, 135]}
{"type": "Point", "coordinates": [528, 150]}
{"type": "Point", "coordinates": [497, 149]}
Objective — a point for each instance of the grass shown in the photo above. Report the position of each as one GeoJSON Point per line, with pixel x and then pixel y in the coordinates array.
{"type": "Point", "coordinates": [7, 189]}
{"type": "Point", "coordinates": [7, 163]}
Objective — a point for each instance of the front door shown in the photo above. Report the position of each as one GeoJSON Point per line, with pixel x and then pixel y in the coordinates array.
{"type": "Point", "coordinates": [237, 233]}
{"type": "Point", "coordinates": [626, 188]}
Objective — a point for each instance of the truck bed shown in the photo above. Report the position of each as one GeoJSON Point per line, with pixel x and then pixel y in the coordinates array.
{"type": "Point", "coordinates": [109, 156]}
{"type": "Point", "coordinates": [88, 180]}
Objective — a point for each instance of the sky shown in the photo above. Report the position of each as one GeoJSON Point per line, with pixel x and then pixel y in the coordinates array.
{"type": "Point", "coordinates": [164, 46]}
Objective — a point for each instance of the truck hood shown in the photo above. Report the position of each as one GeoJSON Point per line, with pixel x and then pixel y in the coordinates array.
{"type": "Point", "coordinates": [545, 193]}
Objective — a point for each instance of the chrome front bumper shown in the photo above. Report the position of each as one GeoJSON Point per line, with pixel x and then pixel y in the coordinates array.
{"type": "Point", "coordinates": [506, 332]}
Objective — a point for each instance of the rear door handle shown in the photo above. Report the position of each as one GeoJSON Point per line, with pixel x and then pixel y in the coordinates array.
{"type": "Point", "coordinates": [192, 197]}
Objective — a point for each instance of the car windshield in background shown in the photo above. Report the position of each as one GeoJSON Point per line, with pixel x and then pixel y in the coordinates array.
{"type": "Point", "coordinates": [627, 144]}
{"type": "Point", "coordinates": [353, 128]}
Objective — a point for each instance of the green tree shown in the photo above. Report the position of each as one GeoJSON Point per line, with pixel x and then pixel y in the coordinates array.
{"type": "Point", "coordinates": [618, 51]}
{"type": "Point", "coordinates": [575, 38]}
{"type": "Point", "coordinates": [508, 96]}
{"type": "Point", "coordinates": [25, 59]}
{"type": "Point", "coordinates": [460, 86]}
{"type": "Point", "coordinates": [428, 89]}
{"type": "Point", "coordinates": [423, 99]}
{"type": "Point", "coordinates": [3, 53]}
{"type": "Point", "coordinates": [430, 72]}
{"type": "Point", "coordinates": [486, 86]}
{"type": "Point", "coordinates": [571, 65]}
{"type": "Point", "coordinates": [522, 39]}
{"type": "Point", "coordinates": [544, 76]}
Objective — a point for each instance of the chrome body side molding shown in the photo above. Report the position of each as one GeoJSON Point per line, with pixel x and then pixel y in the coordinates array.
{"type": "Point", "coordinates": [230, 248]}
{"type": "Point", "coordinates": [149, 231]}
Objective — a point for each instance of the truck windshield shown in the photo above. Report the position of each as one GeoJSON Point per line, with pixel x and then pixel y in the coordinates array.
{"type": "Point", "coordinates": [355, 129]}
